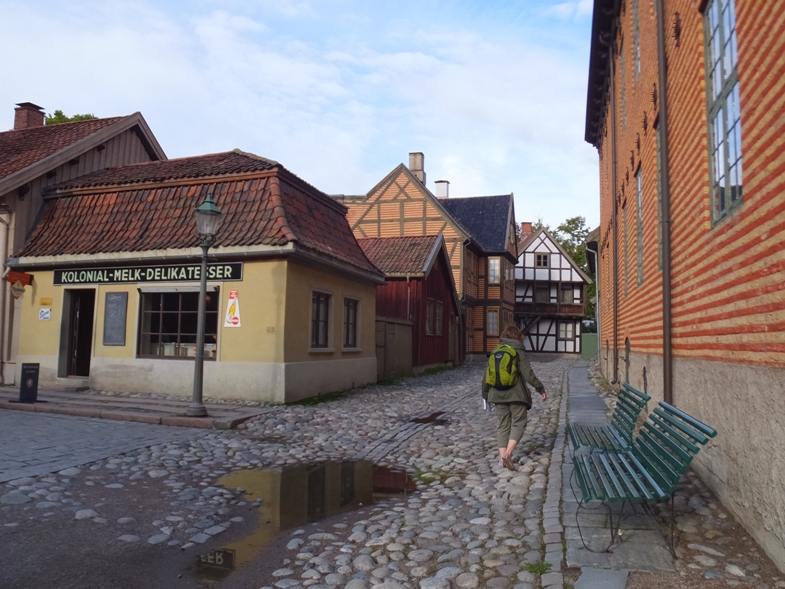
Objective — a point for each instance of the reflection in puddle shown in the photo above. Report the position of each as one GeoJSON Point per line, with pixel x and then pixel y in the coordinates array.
{"type": "Point", "coordinates": [299, 495]}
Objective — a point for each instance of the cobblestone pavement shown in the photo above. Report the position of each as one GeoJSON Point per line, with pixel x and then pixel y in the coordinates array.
{"type": "Point", "coordinates": [472, 524]}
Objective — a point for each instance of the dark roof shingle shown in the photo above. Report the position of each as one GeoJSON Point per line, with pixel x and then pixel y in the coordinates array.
{"type": "Point", "coordinates": [24, 147]}
{"type": "Point", "coordinates": [484, 218]}
{"type": "Point", "coordinates": [263, 210]}
{"type": "Point", "coordinates": [399, 255]}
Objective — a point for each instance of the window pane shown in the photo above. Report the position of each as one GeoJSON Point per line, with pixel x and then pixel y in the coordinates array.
{"type": "Point", "coordinates": [493, 270]}
{"type": "Point", "coordinates": [171, 301]}
{"type": "Point", "coordinates": [188, 322]}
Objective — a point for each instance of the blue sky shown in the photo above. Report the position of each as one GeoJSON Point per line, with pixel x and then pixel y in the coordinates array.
{"type": "Point", "coordinates": [492, 92]}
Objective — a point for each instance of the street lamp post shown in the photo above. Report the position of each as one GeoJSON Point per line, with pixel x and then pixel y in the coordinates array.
{"type": "Point", "coordinates": [207, 216]}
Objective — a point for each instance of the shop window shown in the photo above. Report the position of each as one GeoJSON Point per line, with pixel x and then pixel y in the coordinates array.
{"type": "Point", "coordinates": [566, 330]}
{"type": "Point", "coordinates": [493, 270]}
{"type": "Point", "coordinates": [439, 310]}
{"type": "Point", "coordinates": [350, 323]}
{"type": "Point", "coordinates": [168, 325]}
{"type": "Point", "coordinates": [493, 322]}
{"type": "Point", "coordinates": [320, 313]}
{"type": "Point", "coordinates": [542, 260]}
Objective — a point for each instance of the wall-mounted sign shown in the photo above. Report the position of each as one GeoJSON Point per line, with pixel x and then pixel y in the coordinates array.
{"type": "Point", "coordinates": [232, 310]}
{"type": "Point", "coordinates": [45, 314]}
{"type": "Point", "coordinates": [115, 312]}
{"type": "Point", "coordinates": [17, 289]}
{"type": "Point", "coordinates": [22, 277]}
{"type": "Point", "coordinates": [173, 273]}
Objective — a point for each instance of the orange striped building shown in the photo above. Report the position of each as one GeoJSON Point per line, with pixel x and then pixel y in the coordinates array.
{"type": "Point", "coordinates": [692, 238]}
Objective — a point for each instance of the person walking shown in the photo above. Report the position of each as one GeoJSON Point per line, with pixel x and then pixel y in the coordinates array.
{"type": "Point", "coordinates": [513, 401]}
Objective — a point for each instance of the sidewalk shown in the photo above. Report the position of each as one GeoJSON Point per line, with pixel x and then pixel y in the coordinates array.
{"type": "Point", "coordinates": [642, 547]}
{"type": "Point", "coordinates": [138, 408]}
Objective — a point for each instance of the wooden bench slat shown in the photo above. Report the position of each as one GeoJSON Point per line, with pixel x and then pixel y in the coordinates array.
{"type": "Point", "coordinates": [699, 425]}
{"type": "Point", "coordinates": [692, 433]}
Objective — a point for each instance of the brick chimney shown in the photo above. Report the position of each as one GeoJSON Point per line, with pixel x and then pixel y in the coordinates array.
{"type": "Point", "coordinates": [28, 115]}
{"type": "Point", "coordinates": [526, 230]}
{"type": "Point", "coordinates": [417, 165]}
{"type": "Point", "coordinates": [442, 188]}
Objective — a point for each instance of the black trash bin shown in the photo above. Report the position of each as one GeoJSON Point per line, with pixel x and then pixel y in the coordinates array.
{"type": "Point", "coordinates": [28, 387]}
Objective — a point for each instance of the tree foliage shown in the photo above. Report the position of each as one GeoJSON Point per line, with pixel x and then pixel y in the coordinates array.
{"type": "Point", "coordinates": [59, 117]}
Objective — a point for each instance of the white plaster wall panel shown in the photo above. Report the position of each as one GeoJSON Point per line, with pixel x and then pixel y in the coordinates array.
{"type": "Point", "coordinates": [566, 276]}
{"type": "Point", "coordinates": [518, 273]}
{"type": "Point", "coordinates": [529, 274]}
{"type": "Point", "coordinates": [529, 259]}
{"type": "Point", "coordinates": [555, 275]}
{"type": "Point", "coordinates": [541, 274]}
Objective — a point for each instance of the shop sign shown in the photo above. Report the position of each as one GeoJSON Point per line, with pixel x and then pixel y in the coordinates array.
{"type": "Point", "coordinates": [172, 273]}
{"type": "Point", "coordinates": [45, 314]}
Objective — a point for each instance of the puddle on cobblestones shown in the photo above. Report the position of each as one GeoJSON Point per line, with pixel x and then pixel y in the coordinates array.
{"type": "Point", "coordinates": [300, 495]}
{"type": "Point", "coordinates": [434, 418]}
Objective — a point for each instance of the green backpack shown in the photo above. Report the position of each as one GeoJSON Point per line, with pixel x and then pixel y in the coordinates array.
{"type": "Point", "coordinates": [502, 370]}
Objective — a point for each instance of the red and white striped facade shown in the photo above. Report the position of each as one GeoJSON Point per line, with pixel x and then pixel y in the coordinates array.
{"type": "Point", "coordinates": [727, 298]}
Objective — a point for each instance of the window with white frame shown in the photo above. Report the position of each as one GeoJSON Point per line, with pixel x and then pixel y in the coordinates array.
{"type": "Point", "coordinates": [493, 322]}
{"type": "Point", "coordinates": [566, 330]}
{"type": "Point", "coordinates": [724, 114]}
{"type": "Point", "coordinates": [350, 307]}
{"type": "Point", "coordinates": [320, 312]}
{"type": "Point", "coordinates": [493, 270]}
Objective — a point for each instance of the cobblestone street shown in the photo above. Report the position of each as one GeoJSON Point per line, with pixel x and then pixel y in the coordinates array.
{"type": "Point", "coordinates": [471, 524]}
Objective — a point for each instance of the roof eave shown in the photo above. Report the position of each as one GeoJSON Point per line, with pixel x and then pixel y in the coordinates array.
{"type": "Point", "coordinates": [81, 146]}
{"type": "Point", "coordinates": [602, 25]}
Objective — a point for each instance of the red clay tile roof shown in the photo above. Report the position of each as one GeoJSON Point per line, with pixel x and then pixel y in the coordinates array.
{"type": "Point", "coordinates": [272, 210]}
{"type": "Point", "coordinates": [399, 255]}
{"type": "Point", "coordinates": [214, 164]}
{"type": "Point", "coordinates": [24, 147]}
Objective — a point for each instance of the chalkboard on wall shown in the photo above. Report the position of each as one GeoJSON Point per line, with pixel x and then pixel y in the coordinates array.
{"type": "Point", "coordinates": [115, 311]}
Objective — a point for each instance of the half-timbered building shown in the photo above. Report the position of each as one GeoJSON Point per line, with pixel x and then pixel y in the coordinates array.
{"type": "Point", "coordinates": [550, 294]}
{"type": "Point", "coordinates": [479, 235]}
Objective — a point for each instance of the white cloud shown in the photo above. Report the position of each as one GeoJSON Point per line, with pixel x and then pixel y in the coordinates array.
{"type": "Point", "coordinates": [493, 113]}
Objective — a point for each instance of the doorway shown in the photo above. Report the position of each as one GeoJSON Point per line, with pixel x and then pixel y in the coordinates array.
{"type": "Point", "coordinates": [78, 331]}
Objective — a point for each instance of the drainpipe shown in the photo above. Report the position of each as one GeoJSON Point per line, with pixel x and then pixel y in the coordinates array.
{"type": "Point", "coordinates": [3, 288]}
{"type": "Point", "coordinates": [667, 309]}
{"type": "Point", "coordinates": [614, 214]}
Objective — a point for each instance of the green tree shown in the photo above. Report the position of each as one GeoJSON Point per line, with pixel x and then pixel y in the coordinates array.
{"type": "Point", "coordinates": [59, 117]}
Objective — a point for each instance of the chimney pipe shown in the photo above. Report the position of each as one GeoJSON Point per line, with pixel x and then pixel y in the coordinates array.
{"type": "Point", "coordinates": [417, 165]}
{"type": "Point", "coordinates": [526, 229]}
{"type": "Point", "coordinates": [442, 189]}
{"type": "Point", "coordinates": [28, 115]}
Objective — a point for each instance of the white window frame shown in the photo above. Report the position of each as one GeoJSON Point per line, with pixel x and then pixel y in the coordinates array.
{"type": "Point", "coordinates": [494, 270]}
{"type": "Point", "coordinates": [490, 332]}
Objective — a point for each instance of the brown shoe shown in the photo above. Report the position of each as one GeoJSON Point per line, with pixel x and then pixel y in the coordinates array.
{"type": "Point", "coordinates": [507, 462]}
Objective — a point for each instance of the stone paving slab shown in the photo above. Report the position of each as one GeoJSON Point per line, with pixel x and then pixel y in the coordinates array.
{"type": "Point", "coordinates": [602, 579]}
{"type": "Point", "coordinates": [138, 408]}
{"type": "Point", "coordinates": [36, 443]}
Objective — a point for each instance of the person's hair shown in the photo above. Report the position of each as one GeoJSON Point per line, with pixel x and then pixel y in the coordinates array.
{"type": "Point", "coordinates": [512, 332]}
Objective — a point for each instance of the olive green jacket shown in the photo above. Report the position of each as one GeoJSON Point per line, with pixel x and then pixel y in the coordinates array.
{"type": "Point", "coordinates": [520, 392]}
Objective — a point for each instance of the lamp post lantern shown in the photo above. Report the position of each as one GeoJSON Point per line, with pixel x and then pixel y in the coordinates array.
{"type": "Point", "coordinates": [208, 215]}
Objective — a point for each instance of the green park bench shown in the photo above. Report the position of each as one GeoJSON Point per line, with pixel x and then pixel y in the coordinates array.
{"type": "Point", "coordinates": [617, 436]}
{"type": "Point", "coordinates": [649, 472]}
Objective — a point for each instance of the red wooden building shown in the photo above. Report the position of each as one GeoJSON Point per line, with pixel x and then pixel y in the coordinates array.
{"type": "Point", "coordinates": [419, 289]}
